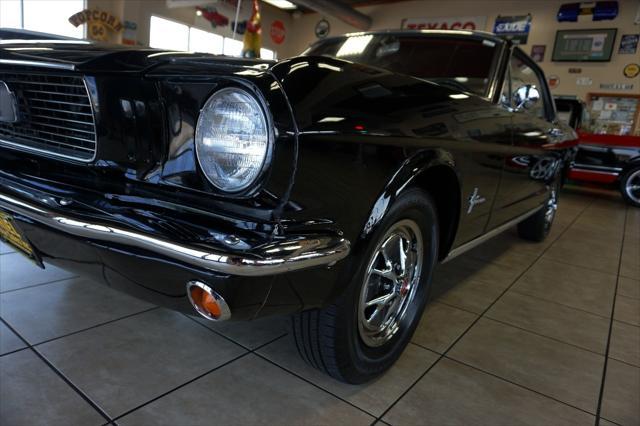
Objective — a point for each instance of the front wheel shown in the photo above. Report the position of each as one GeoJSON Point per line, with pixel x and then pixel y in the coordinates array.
{"type": "Point", "coordinates": [537, 226]}
{"type": "Point", "coordinates": [630, 186]}
{"type": "Point", "coordinates": [365, 331]}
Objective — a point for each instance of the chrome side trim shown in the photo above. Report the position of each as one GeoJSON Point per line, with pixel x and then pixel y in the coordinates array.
{"type": "Point", "coordinates": [292, 253]}
{"type": "Point", "coordinates": [588, 167]}
{"type": "Point", "coordinates": [482, 238]}
{"type": "Point", "coordinates": [51, 65]}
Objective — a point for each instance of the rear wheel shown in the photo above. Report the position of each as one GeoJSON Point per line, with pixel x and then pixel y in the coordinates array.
{"type": "Point", "coordinates": [630, 186]}
{"type": "Point", "coordinates": [537, 227]}
{"type": "Point", "coordinates": [365, 331]}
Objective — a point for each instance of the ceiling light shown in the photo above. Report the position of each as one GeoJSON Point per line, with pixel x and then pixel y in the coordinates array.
{"type": "Point", "coordinates": [281, 4]}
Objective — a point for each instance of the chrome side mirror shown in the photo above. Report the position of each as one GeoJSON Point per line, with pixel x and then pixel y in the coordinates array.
{"type": "Point", "coordinates": [525, 97]}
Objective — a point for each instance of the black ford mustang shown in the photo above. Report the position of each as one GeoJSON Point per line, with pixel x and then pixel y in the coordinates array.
{"type": "Point", "coordinates": [325, 186]}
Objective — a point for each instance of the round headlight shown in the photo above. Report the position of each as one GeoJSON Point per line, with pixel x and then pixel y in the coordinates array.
{"type": "Point", "coordinates": [232, 139]}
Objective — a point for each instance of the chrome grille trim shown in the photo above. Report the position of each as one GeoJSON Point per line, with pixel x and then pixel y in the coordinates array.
{"type": "Point", "coordinates": [56, 115]}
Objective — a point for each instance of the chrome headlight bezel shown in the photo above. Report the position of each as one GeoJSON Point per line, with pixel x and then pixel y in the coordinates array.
{"type": "Point", "coordinates": [252, 185]}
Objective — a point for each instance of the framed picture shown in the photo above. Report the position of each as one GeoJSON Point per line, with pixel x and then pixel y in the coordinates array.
{"type": "Point", "coordinates": [584, 45]}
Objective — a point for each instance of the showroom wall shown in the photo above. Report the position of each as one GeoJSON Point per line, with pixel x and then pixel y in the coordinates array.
{"type": "Point", "coordinates": [543, 29]}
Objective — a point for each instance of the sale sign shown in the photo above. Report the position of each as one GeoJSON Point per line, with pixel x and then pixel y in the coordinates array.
{"type": "Point", "coordinates": [470, 23]}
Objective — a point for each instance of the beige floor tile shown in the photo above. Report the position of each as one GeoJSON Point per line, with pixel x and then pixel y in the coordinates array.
{"type": "Point", "coordinates": [625, 343]}
{"type": "Point", "coordinates": [249, 391]}
{"type": "Point", "coordinates": [455, 394]}
{"type": "Point", "coordinates": [564, 372]}
{"type": "Point", "coordinates": [463, 268]}
{"type": "Point", "coordinates": [620, 397]}
{"type": "Point", "coordinates": [580, 254]}
{"type": "Point", "coordinates": [64, 307]}
{"type": "Point", "coordinates": [128, 362]}
{"type": "Point", "coordinates": [9, 342]}
{"type": "Point", "coordinates": [16, 271]}
{"type": "Point", "coordinates": [31, 394]}
{"type": "Point", "coordinates": [374, 397]}
{"type": "Point", "coordinates": [569, 325]}
{"type": "Point", "coordinates": [471, 295]}
{"type": "Point", "coordinates": [627, 310]}
{"type": "Point", "coordinates": [629, 287]}
{"type": "Point", "coordinates": [250, 334]}
{"type": "Point", "coordinates": [441, 325]}
{"type": "Point", "coordinates": [570, 285]}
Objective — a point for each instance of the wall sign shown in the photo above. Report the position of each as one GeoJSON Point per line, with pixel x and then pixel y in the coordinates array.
{"type": "Point", "coordinates": [514, 28]}
{"type": "Point", "coordinates": [599, 11]}
{"type": "Point", "coordinates": [616, 86]}
{"type": "Point", "coordinates": [584, 45]}
{"type": "Point", "coordinates": [277, 32]}
{"type": "Point", "coordinates": [537, 52]}
{"type": "Point", "coordinates": [447, 23]}
{"type": "Point", "coordinates": [99, 23]}
{"type": "Point", "coordinates": [129, 36]}
{"type": "Point", "coordinates": [631, 70]}
{"type": "Point", "coordinates": [584, 81]}
{"type": "Point", "coordinates": [628, 44]}
{"type": "Point", "coordinates": [575, 70]}
{"type": "Point", "coordinates": [554, 81]}
{"type": "Point", "coordinates": [322, 28]}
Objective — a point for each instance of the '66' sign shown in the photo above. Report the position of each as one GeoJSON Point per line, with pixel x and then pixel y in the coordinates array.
{"type": "Point", "coordinates": [452, 23]}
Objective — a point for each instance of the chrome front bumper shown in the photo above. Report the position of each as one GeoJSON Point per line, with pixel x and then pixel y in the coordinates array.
{"type": "Point", "coordinates": [282, 254]}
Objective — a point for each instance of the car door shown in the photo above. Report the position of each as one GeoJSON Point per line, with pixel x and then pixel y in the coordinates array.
{"type": "Point", "coordinates": [532, 162]}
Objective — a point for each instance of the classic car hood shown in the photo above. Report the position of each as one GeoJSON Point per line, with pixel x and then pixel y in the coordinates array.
{"type": "Point", "coordinates": [86, 56]}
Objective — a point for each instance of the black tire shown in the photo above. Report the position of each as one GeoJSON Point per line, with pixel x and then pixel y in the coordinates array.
{"type": "Point", "coordinates": [330, 340]}
{"type": "Point", "coordinates": [537, 227]}
{"type": "Point", "coordinates": [629, 181]}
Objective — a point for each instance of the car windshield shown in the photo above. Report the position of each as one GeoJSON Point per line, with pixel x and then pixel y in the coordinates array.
{"type": "Point", "coordinates": [463, 63]}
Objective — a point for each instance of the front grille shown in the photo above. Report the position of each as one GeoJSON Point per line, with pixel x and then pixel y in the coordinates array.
{"type": "Point", "coordinates": [55, 115]}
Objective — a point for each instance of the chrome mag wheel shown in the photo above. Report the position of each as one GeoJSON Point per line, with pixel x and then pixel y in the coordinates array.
{"type": "Point", "coordinates": [390, 283]}
{"type": "Point", "coordinates": [632, 186]}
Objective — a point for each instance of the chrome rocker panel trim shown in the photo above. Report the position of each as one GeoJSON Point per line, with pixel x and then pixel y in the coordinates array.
{"type": "Point", "coordinates": [494, 232]}
{"type": "Point", "coordinates": [292, 253]}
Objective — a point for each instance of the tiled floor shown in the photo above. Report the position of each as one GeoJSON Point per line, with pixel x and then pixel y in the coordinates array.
{"type": "Point", "coordinates": [520, 333]}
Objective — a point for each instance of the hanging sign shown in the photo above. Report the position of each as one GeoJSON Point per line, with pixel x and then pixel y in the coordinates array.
{"type": "Point", "coordinates": [278, 32]}
{"type": "Point", "coordinates": [514, 28]}
{"type": "Point", "coordinates": [99, 23]}
{"type": "Point", "coordinates": [450, 23]}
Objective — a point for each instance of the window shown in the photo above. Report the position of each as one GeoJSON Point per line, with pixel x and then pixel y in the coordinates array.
{"type": "Point", "coordinates": [171, 35]}
{"type": "Point", "coordinates": [267, 54]}
{"type": "Point", "coordinates": [203, 41]}
{"type": "Point", "coordinates": [42, 16]}
{"type": "Point", "coordinates": [166, 34]}
{"type": "Point", "coordinates": [460, 63]}
{"type": "Point", "coordinates": [232, 47]}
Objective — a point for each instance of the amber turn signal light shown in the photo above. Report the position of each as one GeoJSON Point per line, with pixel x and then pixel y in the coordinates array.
{"type": "Point", "coordinates": [207, 302]}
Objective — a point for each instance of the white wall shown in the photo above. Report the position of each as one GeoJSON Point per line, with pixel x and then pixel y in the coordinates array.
{"type": "Point", "coordinates": [543, 29]}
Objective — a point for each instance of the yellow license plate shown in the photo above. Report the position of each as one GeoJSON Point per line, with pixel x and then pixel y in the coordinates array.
{"type": "Point", "coordinates": [11, 234]}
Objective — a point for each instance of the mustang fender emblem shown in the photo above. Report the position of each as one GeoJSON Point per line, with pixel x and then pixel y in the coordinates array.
{"type": "Point", "coordinates": [474, 199]}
